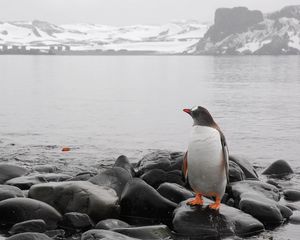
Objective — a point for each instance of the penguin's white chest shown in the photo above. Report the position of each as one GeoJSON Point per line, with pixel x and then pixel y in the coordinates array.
{"type": "Point", "coordinates": [206, 166]}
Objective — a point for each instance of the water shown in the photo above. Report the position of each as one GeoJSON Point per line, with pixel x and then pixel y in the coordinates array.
{"type": "Point", "coordinates": [104, 106]}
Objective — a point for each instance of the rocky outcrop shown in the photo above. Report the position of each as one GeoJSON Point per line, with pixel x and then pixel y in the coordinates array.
{"type": "Point", "coordinates": [231, 21]}
{"type": "Point", "coordinates": [287, 12]}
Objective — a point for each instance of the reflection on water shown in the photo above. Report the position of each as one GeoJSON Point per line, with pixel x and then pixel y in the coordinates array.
{"type": "Point", "coordinates": [105, 106]}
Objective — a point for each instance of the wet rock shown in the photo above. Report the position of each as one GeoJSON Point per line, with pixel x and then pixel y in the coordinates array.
{"type": "Point", "coordinates": [174, 192]}
{"type": "Point", "coordinates": [291, 195]}
{"type": "Point", "coordinates": [26, 182]}
{"type": "Point", "coordinates": [29, 236]}
{"type": "Point", "coordinates": [175, 155]}
{"type": "Point", "coordinates": [36, 225]}
{"type": "Point", "coordinates": [9, 171]}
{"type": "Point", "coordinates": [279, 168]}
{"type": "Point", "coordinates": [204, 223]}
{"type": "Point", "coordinates": [260, 200]}
{"type": "Point", "coordinates": [123, 162]}
{"type": "Point", "coordinates": [9, 192]}
{"type": "Point", "coordinates": [115, 178]}
{"type": "Point", "coordinates": [75, 220]}
{"type": "Point", "coordinates": [155, 177]}
{"type": "Point", "coordinates": [274, 183]}
{"type": "Point", "coordinates": [147, 232]}
{"type": "Point", "coordinates": [295, 219]}
{"type": "Point", "coordinates": [97, 234]}
{"type": "Point", "coordinates": [15, 210]}
{"type": "Point", "coordinates": [235, 172]}
{"type": "Point", "coordinates": [56, 234]}
{"type": "Point", "coordinates": [83, 176]}
{"type": "Point", "coordinates": [45, 168]}
{"type": "Point", "coordinates": [109, 224]}
{"type": "Point", "coordinates": [245, 165]}
{"type": "Point", "coordinates": [156, 160]}
{"type": "Point", "coordinates": [140, 201]}
{"type": "Point", "coordinates": [176, 163]}
{"type": "Point", "coordinates": [78, 196]}
{"type": "Point", "coordinates": [249, 187]}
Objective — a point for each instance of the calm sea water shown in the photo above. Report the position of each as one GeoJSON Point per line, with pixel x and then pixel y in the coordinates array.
{"type": "Point", "coordinates": [104, 106]}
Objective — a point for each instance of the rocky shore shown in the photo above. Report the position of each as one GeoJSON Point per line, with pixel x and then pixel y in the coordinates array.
{"type": "Point", "coordinates": [146, 200]}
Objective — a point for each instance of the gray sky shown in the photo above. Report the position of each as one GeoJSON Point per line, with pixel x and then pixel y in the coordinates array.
{"type": "Point", "coordinates": [125, 12]}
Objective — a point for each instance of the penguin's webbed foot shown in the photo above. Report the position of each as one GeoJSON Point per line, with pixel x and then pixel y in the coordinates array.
{"type": "Point", "coordinates": [215, 206]}
{"type": "Point", "coordinates": [197, 201]}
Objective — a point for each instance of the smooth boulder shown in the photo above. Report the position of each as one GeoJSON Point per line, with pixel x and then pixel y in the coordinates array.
{"type": "Point", "coordinates": [98, 234]}
{"type": "Point", "coordinates": [279, 168]}
{"type": "Point", "coordinates": [174, 192]}
{"type": "Point", "coordinates": [78, 196]}
{"type": "Point", "coordinates": [109, 224]}
{"type": "Point", "coordinates": [155, 160]}
{"type": "Point", "coordinates": [115, 178]}
{"type": "Point", "coordinates": [147, 232]}
{"type": "Point", "coordinates": [29, 236]}
{"type": "Point", "coordinates": [7, 192]}
{"type": "Point", "coordinates": [26, 182]}
{"type": "Point", "coordinates": [260, 200]}
{"type": "Point", "coordinates": [141, 201]}
{"type": "Point", "coordinates": [123, 162]}
{"type": "Point", "coordinates": [200, 222]}
{"type": "Point", "coordinates": [245, 165]}
{"type": "Point", "coordinates": [291, 195]}
{"type": "Point", "coordinates": [35, 225]}
{"type": "Point", "coordinates": [15, 210]}
{"type": "Point", "coordinates": [75, 220]}
{"type": "Point", "coordinates": [235, 172]}
{"type": "Point", "coordinates": [9, 171]}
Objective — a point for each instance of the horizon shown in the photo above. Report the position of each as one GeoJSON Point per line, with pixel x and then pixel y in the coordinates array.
{"type": "Point", "coordinates": [131, 14]}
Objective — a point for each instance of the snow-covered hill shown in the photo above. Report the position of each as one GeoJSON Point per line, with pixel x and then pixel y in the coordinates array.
{"type": "Point", "coordinates": [174, 37]}
{"type": "Point", "coordinates": [270, 34]}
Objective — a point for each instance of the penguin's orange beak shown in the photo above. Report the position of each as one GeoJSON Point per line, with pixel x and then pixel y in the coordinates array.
{"type": "Point", "coordinates": [187, 110]}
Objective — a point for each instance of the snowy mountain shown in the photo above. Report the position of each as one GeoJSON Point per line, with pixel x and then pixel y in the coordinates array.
{"type": "Point", "coordinates": [174, 37]}
{"type": "Point", "coordinates": [241, 31]}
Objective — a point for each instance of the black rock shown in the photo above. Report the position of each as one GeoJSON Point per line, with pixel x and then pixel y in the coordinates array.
{"type": "Point", "coordinates": [109, 224]}
{"type": "Point", "coordinates": [75, 220]}
{"type": "Point", "coordinates": [15, 210]}
{"type": "Point", "coordinates": [280, 168]}
{"type": "Point", "coordinates": [9, 192]}
{"type": "Point", "coordinates": [235, 172]}
{"type": "Point", "coordinates": [98, 234]}
{"type": "Point", "coordinates": [115, 178]}
{"type": "Point", "coordinates": [29, 236]}
{"type": "Point", "coordinates": [26, 182]}
{"type": "Point", "coordinates": [154, 177]}
{"type": "Point", "coordinates": [147, 232]}
{"type": "Point", "coordinates": [8, 171]}
{"type": "Point", "coordinates": [36, 225]}
{"type": "Point", "coordinates": [295, 219]}
{"type": "Point", "coordinates": [56, 234]}
{"type": "Point", "coordinates": [261, 201]}
{"type": "Point", "coordinates": [123, 162]}
{"type": "Point", "coordinates": [204, 223]}
{"type": "Point", "coordinates": [245, 165]}
{"type": "Point", "coordinates": [45, 168]}
{"type": "Point", "coordinates": [140, 201]}
{"type": "Point", "coordinates": [78, 196]}
{"type": "Point", "coordinates": [174, 192]}
{"type": "Point", "coordinates": [291, 195]}
{"type": "Point", "coordinates": [176, 163]}
{"type": "Point", "coordinates": [155, 160]}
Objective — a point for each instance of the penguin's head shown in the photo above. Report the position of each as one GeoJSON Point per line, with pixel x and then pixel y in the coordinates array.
{"type": "Point", "coordinates": [201, 116]}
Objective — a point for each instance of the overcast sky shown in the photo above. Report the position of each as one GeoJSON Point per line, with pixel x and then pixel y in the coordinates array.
{"type": "Point", "coordinates": [126, 12]}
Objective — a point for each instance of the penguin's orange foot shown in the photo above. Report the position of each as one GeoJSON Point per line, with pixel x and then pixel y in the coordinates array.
{"type": "Point", "coordinates": [198, 201]}
{"type": "Point", "coordinates": [215, 206]}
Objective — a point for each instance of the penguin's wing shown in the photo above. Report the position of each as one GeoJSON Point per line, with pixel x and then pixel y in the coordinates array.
{"type": "Point", "coordinates": [185, 166]}
{"type": "Point", "coordinates": [225, 154]}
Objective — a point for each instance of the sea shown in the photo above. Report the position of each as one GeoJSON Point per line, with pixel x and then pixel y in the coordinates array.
{"type": "Point", "coordinates": [105, 106]}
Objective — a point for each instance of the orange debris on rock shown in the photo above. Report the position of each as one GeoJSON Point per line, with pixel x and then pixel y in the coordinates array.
{"type": "Point", "coordinates": [66, 149]}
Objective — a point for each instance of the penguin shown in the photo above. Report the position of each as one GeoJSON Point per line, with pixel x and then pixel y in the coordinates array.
{"type": "Point", "coordinates": [205, 164]}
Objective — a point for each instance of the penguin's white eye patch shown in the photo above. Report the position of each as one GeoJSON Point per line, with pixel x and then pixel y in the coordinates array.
{"type": "Point", "coordinates": [194, 108]}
